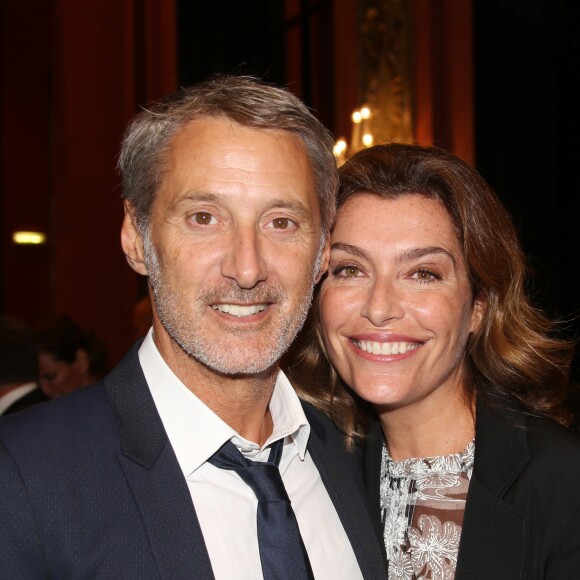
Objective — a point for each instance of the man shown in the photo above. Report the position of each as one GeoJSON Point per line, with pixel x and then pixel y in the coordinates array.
{"type": "Point", "coordinates": [229, 195]}
{"type": "Point", "coordinates": [18, 367]}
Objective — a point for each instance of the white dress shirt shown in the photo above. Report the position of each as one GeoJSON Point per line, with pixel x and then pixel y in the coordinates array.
{"type": "Point", "coordinates": [14, 395]}
{"type": "Point", "coordinates": [225, 505]}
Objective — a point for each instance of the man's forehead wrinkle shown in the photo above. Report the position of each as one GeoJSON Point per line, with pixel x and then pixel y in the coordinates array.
{"type": "Point", "coordinates": [247, 163]}
{"type": "Point", "coordinates": [276, 133]}
{"type": "Point", "coordinates": [242, 165]}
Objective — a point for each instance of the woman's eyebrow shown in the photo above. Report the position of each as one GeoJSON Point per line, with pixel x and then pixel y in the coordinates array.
{"type": "Point", "coordinates": [416, 253]}
{"type": "Point", "coordinates": [350, 249]}
{"type": "Point", "coordinates": [404, 256]}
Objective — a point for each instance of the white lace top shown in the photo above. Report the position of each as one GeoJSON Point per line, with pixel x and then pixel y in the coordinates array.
{"type": "Point", "coordinates": [422, 505]}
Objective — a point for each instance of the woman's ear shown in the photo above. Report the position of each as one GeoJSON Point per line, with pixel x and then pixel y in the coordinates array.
{"type": "Point", "coordinates": [477, 313]}
{"type": "Point", "coordinates": [132, 241]}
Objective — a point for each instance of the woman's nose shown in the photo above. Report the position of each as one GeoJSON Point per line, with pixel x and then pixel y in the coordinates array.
{"type": "Point", "coordinates": [383, 303]}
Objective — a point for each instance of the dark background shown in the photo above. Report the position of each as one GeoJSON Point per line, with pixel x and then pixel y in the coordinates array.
{"type": "Point", "coordinates": [527, 97]}
{"type": "Point", "coordinates": [72, 74]}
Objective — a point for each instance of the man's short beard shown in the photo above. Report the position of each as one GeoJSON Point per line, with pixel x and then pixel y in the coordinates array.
{"type": "Point", "coordinates": [183, 330]}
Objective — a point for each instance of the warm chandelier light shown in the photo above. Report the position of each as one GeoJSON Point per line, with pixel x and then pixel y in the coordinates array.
{"type": "Point", "coordinates": [361, 135]}
{"type": "Point", "coordinates": [34, 238]}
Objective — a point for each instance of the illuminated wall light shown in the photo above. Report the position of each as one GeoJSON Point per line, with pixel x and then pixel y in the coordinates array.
{"type": "Point", "coordinates": [30, 238]}
{"type": "Point", "coordinates": [367, 139]}
{"type": "Point", "coordinates": [339, 147]}
{"type": "Point", "coordinates": [361, 136]}
{"type": "Point", "coordinates": [339, 151]}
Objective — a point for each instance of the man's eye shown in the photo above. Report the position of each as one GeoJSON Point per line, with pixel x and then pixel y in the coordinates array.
{"type": "Point", "coordinates": [204, 218]}
{"type": "Point", "coordinates": [281, 223]}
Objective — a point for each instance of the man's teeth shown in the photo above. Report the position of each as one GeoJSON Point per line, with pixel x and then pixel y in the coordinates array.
{"type": "Point", "coordinates": [386, 347]}
{"type": "Point", "coordinates": [239, 310]}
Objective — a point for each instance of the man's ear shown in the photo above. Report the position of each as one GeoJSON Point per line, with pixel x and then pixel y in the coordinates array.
{"type": "Point", "coordinates": [324, 260]}
{"type": "Point", "coordinates": [132, 242]}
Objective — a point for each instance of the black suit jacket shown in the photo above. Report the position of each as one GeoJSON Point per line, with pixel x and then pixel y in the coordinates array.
{"type": "Point", "coordinates": [522, 514]}
{"type": "Point", "coordinates": [95, 490]}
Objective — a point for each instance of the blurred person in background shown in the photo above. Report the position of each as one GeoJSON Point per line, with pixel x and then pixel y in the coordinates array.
{"type": "Point", "coordinates": [68, 357]}
{"type": "Point", "coordinates": [18, 367]}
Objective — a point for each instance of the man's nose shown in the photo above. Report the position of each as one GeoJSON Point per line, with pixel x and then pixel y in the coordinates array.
{"type": "Point", "coordinates": [244, 258]}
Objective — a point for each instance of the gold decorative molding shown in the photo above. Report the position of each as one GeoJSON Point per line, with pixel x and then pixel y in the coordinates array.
{"type": "Point", "coordinates": [384, 80]}
{"type": "Point", "coordinates": [384, 67]}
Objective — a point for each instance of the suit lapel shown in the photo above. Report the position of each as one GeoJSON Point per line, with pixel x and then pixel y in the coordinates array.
{"type": "Point", "coordinates": [492, 538]}
{"type": "Point", "coordinates": [339, 472]}
{"type": "Point", "coordinates": [154, 476]}
{"type": "Point", "coordinates": [493, 535]}
{"type": "Point", "coordinates": [373, 449]}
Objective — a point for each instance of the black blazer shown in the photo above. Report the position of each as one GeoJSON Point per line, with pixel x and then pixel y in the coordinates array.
{"type": "Point", "coordinates": [91, 488]}
{"type": "Point", "coordinates": [522, 513]}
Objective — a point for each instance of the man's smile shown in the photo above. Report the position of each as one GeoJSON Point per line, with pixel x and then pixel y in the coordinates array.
{"type": "Point", "coordinates": [240, 310]}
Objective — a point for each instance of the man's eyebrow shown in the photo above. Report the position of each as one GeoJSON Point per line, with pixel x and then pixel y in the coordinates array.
{"type": "Point", "coordinates": [297, 207]}
{"type": "Point", "coordinates": [294, 206]}
{"type": "Point", "coordinates": [197, 196]}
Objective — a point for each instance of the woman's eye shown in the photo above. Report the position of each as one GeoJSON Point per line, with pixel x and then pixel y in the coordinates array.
{"type": "Point", "coordinates": [281, 223]}
{"type": "Point", "coordinates": [346, 272]}
{"type": "Point", "coordinates": [425, 276]}
{"type": "Point", "coordinates": [204, 218]}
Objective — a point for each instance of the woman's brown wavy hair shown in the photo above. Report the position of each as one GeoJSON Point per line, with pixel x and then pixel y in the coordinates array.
{"type": "Point", "coordinates": [516, 353]}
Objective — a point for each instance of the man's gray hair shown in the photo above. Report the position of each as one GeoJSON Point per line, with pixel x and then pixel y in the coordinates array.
{"type": "Point", "coordinates": [247, 101]}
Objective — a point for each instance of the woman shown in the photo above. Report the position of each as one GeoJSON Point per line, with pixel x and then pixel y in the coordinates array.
{"type": "Point", "coordinates": [423, 315]}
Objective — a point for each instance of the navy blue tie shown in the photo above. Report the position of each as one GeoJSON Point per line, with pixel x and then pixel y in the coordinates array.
{"type": "Point", "coordinates": [282, 550]}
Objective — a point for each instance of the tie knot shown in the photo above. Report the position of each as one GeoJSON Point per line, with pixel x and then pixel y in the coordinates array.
{"type": "Point", "coordinates": [265, 480]}
{"type": "Point", "coordinates": [263, 477]}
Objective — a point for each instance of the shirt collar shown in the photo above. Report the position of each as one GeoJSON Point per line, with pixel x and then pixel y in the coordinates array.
{"type": "Point", "coordinates": [195, 431]}
{"type": "Point", "coordinates": [15, 394]}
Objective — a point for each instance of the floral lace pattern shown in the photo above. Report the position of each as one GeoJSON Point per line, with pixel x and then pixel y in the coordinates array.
{"type": "Point", "coordinates": [422, 505]}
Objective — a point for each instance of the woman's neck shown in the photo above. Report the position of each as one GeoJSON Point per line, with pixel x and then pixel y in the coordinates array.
{"type": "Point", "coordinates": [428, 429]}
